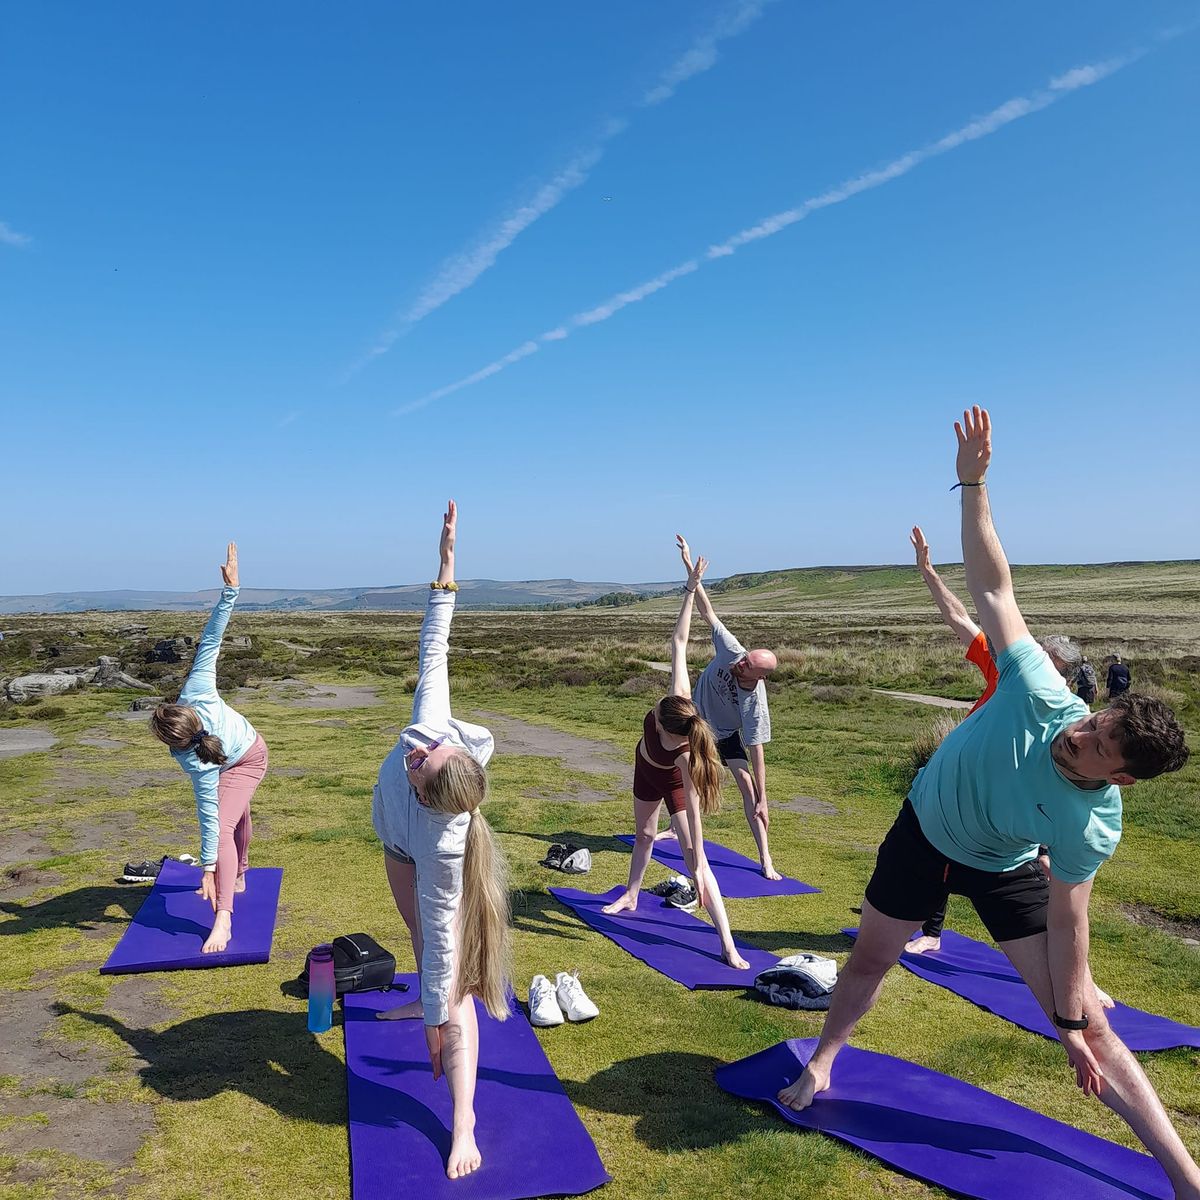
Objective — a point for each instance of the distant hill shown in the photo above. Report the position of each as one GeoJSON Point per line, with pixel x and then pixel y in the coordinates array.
{"type": "Point", "coordinates": [473, 593]}
{"type": "Point", "coordinates": [1130, 588]}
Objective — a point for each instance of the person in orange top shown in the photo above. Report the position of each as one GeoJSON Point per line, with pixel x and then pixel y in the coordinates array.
{"type": "Point", "coordinates": [1063, 652]}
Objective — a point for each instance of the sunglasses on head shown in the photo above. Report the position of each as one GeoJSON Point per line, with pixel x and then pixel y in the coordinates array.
{"type": "Point", "coordinates": [414, 763]}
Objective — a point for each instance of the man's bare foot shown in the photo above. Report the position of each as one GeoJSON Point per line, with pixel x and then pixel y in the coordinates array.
{"type": "Point", "coordinates": [408, 1011]}
{"type": "Point", "coordinates": [1106, 999]}
{"type": "Point", "coordinates": [464, 1154]}
{"type": "Point", "coordinates": [768, 870]}
{"type": "Point", "coordinates": [239, 884]}
{"type": "Point", "coordinates": [919, 945]}
{"type": "Point", "coordinates": [623, 902]}
{"type": "Point", "coordinates": [666, 834]}
{"type": "Point", "coordinates": [735, 960]}
{"type": "Point", "coordinates": [801, 1093]}
{"type": "Point", "coordinates": [222, 931]}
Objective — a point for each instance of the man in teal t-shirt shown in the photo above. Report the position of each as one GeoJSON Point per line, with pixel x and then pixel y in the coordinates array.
{"type": "Point", "coordinates": [1032, 765]}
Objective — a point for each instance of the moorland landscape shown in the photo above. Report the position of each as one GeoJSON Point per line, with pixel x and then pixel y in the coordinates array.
{"type": "Point", "coordinates": [122, 1085]}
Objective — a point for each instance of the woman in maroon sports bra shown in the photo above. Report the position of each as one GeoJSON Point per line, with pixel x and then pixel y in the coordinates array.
{"type": "Point", "coordinates": [677, 763]}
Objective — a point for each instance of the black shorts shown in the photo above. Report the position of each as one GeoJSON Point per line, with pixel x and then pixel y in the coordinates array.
{"type": "Point", "coordinates": [912, 879]}
{"type": "Point", "coordinates": [732, 747]}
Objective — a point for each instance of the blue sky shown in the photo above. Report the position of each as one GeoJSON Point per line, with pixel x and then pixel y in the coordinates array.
{"type": "Point", "coordinates": [246, 249]}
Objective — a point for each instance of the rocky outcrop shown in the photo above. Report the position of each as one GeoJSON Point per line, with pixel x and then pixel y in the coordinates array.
{"type": "Point", "coordinates": [145, 703]}
{"type": "Point", "coordinates": [109, 675]}
{"type": "Point", "coordinates": [170, 650]}
{"type": "Point", "coordinates": [238, 642]}
{"type": "Point", "coordinates": [37, 687]}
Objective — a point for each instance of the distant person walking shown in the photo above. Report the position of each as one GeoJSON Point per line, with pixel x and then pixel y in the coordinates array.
{"type": "Point", "coordinates": [676, 763]}
{"type": "Point", "coordinates": [1085, 682]}
{"type": "Point", "coordinates": [446, 871]}
{"type": "Point", "coordinates": [1118, 678]}
{"type": "Point", "coordinates": [1064, 654]}
{"type": "Point", "coordinates": [226, 761]}
{"type": "Point", "coordinates": [732, 698]}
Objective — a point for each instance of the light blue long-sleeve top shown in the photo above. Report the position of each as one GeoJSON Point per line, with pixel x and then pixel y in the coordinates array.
{"type": "Point", "coordinates": [436, 841]}
{"type": "Point", "coordinates": [236, 733]}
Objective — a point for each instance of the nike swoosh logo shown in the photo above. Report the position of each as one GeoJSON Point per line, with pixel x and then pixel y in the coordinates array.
{"type": "Point", "coordinates": [1043, 812]}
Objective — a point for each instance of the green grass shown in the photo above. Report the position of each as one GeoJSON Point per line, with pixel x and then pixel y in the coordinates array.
{"type": "Point", "coordinates": [225, 1060]}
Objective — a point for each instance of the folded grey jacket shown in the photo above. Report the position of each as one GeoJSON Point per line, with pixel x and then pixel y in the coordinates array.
{"type": "Point", "coordinates": [799, 981]}
{"type": "Point", "coordinates": [435, 841]}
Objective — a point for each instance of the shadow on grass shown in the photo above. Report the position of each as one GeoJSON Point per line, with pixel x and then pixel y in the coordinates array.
{"type": "Point", "coordinates": [268, 1056]}
{"type": "Point", "coordinates": [674, 1097]}
{"type": "Point", "coordinates": [541, 913]}
{"type": "Point", "coordinates": [595, 842]}
{"type": "Point", "coordinates": [83, 908]}
{"type": "Point", "coordinates": [793, 941]}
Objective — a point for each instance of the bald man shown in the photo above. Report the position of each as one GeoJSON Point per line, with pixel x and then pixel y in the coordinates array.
{"type": "Point", "coordinates": [732, 698]}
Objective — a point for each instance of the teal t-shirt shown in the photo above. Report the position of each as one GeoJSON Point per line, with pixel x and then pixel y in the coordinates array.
{"type": "Point", "coordinates": [992, 793]}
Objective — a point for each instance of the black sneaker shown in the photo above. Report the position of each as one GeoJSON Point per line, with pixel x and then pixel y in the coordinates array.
{"type": "Point", "coordinates": [147, 871]}
{"type": "Point", "coordinates": [554, 856]}
{"type": "Point", "coordinates": [142, 872]}
{"type": "Point", "coordinates": [684, 897]}
{"type": "Point", "coordinates": [668, 886]}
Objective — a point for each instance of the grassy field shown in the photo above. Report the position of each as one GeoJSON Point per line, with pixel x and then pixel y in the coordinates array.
{"type": "Point", "coordinates": [206, 1083]}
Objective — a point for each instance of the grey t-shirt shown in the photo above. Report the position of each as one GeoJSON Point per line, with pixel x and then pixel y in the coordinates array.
{"type": "Point", "coordinates": [725, 706]}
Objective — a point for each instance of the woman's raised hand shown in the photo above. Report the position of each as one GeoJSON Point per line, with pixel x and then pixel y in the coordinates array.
{"type": "Point", "coordinates": [449, 529]}
{"type": "Point", "coordinates": [685, 552]}
{"type": "Point", "coordinates": [229, 572]}
{"type": "Point", "coordinates": [696, 573]}
{"type": "Point", "coordinates": [921, 546]}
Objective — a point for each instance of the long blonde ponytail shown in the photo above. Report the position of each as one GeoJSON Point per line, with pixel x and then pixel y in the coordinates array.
{"type": "Point", "coordinates": [483, 965]}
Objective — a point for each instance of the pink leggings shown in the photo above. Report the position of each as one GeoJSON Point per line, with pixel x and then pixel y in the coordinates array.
{"type": "Point", "coordinates": [234, 789]}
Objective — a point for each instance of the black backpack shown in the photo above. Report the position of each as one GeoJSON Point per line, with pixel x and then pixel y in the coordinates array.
{"type": "Point", "coordinates": [360, 964]}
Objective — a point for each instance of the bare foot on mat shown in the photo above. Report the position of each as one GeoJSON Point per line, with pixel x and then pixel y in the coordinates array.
{"type": "Point", "coordinates": [464, 1155]}
{"type": "Point", "coordinates": [624, 902]}
{"type": "Point", "coordinates": [407, 1011]}
{"type": "Point", "coordinates": [222, 931]}
{"type": "Point", "coordinates": [801, 1093]}
{"type": "Point", "coordinates": [919, 945]}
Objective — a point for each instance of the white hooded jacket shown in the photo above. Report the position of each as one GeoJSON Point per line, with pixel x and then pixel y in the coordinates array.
{"type": "Point", "coordinates": [435, 841]}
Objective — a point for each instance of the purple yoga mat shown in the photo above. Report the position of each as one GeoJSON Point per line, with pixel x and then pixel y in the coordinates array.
{"type": "Point", "coordinates": [681, 946]}
{"type": "Point", "coordinates": [981, 974]}
{"type": "Point", "coordinates": [738, 877]}
{"type": "Point", "coordinates": [531, 1139]}
{"type": "Point", "coordinates": [947, 1132]}
{"type": "Point", "coordinates": [173, 923]}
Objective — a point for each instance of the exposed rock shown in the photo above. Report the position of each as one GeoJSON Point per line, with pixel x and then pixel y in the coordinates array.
{"type": "Point", "coordinates": [238, 642]}
{"type": "Point", "coordinates": [133, 630]}
{"type": "Point", "coordinates": [38, 687]}
{"type": "Point", "coordinates": [145, 703]}
{"type": "Point", "coordinates": [110, 675]}
{"type": "Point", "coordinates": [170, 650]}
{"type": "Point", "coordinates": [87, 674]}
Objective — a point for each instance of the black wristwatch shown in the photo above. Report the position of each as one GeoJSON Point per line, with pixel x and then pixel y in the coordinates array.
{"type": "Point", "coordinates": [1063, 1023]}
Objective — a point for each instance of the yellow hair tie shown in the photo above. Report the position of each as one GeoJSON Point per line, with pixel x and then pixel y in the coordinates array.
{"type": "Point", "coordinates": [444, 587]}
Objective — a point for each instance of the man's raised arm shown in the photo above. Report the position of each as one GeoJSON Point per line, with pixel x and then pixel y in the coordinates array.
{"type": "Point", "coordinates": [703, 603]}
{"type": "Point", "coordinates": [988, 577]}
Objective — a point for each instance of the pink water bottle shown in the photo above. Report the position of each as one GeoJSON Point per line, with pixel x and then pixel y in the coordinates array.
{"type": "Point", "coordinates": [320, 988]}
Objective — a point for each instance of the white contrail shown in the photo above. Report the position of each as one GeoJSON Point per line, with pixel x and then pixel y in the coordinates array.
{"type": "Point", "coordinates": [1004, 114]}
{"type": "Point", "coordinates": [703, 53]}
{"type": "Point", "coordinates": [462, 270]}
{"type": "Point", "coordinates": [10, 237]}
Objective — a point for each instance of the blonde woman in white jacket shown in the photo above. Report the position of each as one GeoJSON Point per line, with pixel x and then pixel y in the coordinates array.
{"type": "Point", "coordinates": [445, 868]}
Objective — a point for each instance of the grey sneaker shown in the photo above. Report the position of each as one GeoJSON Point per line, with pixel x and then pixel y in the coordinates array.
{"type": "Point", "coordinates": [684, 897]}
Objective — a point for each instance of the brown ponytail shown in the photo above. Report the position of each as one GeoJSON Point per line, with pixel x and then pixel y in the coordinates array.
{"type": "Point", "coordinates": [483, 966]}
{"type": "Point", "coordinates": [679, 716]}
{"type": "Point", "coordinates": [176, 725]}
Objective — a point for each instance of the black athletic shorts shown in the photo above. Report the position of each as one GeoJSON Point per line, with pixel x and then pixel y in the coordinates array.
{"type": "Point", "coordinates": [732, 747]}
{"type": "Point", "coordinates": [912, 878]}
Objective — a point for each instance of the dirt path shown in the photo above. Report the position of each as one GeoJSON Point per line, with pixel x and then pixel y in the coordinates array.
{"type": "Point", "coordinates": [25, 741]}
{"type": "Point", "coordinates": [916, 697]}
{"type": "Point", "coordinates": [514, 736]}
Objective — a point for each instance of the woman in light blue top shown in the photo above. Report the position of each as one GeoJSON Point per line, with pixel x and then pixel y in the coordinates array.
{"type": "Point", "coordinates": [226, 760]}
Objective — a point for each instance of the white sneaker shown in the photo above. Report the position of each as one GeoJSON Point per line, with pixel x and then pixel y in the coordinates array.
{"type": "Point", "coordinates": [572, 999]}
{"type": "Point", "coordinates": [543, 1007]}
